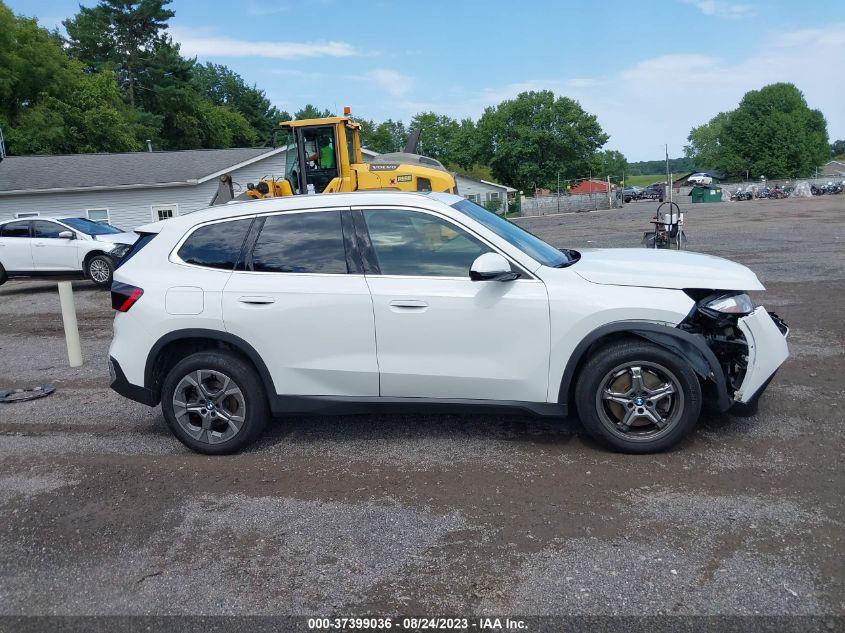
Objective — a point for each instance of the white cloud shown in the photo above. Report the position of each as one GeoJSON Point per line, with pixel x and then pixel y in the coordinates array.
{"type": "Point", "coordinates": [390, 81]}
{"type": "Point", "coordinates": [260, 10]}
{"type": "Point", "coordinates": [722, 9]}
{"type": "Point", "coordinates": [658, 100]}
{"type": "Point", "coordinates": [203, 43]}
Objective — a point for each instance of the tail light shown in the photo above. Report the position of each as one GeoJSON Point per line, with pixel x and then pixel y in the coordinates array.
{"type": "Point", "coordinates": [124, 296]}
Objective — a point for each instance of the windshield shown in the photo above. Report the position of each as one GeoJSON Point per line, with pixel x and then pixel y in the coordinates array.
{"type": "Point", "coordinates": [528, 243]}
{"type": "Point", "coordinates": [89, 227]}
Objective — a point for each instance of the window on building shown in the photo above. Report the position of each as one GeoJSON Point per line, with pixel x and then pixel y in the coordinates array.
{"type": "Point", "coordinates": [99, 215]}
{"type": "Point", "coordinates": [418, 244]}
{"type": "Point", "coordinates": [301, 243]}
{"type": "Point", "coordinates": [215, 245]}
{"type": "Point", "coordinates": [164, 211]}
{"type": "Point", "coordinates": [473, 197]}
{"type": "Point", "coordinates": [493, 195]}
{"type": "Point", "coordinates": [26, 214]}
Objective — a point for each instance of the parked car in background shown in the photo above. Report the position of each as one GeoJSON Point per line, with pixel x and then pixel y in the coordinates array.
{"type": "Point", "coordinates": [632, 192]}
{"type": "Point", "coordinates": [231, 314]}
{"type": "Point", "coordinates": [655, 191]}
{"type": "Point", "coordinates": [61, 245]}
{"type": "Point", "coordinates": [700, 179]}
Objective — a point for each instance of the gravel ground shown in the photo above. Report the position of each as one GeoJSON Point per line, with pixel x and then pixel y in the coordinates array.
{"type": "Point", "coordinates": [103, 512]}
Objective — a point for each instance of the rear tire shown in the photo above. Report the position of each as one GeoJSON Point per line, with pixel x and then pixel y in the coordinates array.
{"type": "Point", "coordinates": [214, 403]}
{"type": "Point", "coordinates": [3, 276]}
{"type": "Point", "coordinates": [100, 270]}
{"type": "Point", "coordinates": [637, 397]}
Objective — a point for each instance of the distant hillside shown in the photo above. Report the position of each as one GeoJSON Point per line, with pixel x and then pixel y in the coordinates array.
{"type": "Point", "coordinates": [676, 166]}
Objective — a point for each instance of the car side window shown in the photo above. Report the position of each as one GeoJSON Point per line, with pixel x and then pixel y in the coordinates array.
{"type": "Point", "coordinates": [47, 229]}
{"type": "Point", "coordinates": [215, 245]}
{"type": "Point", "coordinates": [412, 243]}
{"type": "Point", "coordinates": [15, 229]}
{"type": "Point", "coordinates": [310, 242]}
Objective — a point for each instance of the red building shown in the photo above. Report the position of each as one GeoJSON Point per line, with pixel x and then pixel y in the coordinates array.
{"type": "Point", "coordinates": [590, 186]}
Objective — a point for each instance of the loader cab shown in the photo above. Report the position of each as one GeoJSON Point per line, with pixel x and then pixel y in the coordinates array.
{"type": "Point", "coordinates": [319, 153]}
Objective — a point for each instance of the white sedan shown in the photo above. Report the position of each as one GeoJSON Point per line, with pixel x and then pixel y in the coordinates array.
{"type": "Point", "coordinates": [700, 179]}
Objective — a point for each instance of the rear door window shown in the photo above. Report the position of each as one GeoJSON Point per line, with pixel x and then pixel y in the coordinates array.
{"type": "Point", "coordinates": [215, 245]}
{"type": "Point", "coordinates": [300, 243]}
{"type": "Point", "coordinates": [15, 229]}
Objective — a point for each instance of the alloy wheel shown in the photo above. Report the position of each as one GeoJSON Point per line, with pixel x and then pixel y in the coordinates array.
{"type": "Point", "coordinates": [640, 401]}
{"type": "Point", "coordinates": [99, 271]}
{"type": "Point", "coordinates": [209, 406]}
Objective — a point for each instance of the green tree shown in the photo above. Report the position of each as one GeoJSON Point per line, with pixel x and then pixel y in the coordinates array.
{"type": "Point", "coordinates": [528, 140]}
{"type": "Point", "coordinates": [384, 137]}
{"type": "Point", "coordinates": [312, 112]}
{"type": "Point", "coordinates": [118, 32]}
{"type": "Point", "coordinates": [837, 148]}
{"type": "Point", "coordinates": [772, 133]}
{"type": "Point", "coordinates": [437, 133]}
{"type": "Point", "coordinates": [49, 104]}
{"type": "Point", "coordinates": [464, 148]}
{"type": "Point", "coordinates": [224, 87]}
{"type": "Point", "coordinates": [609, 162]}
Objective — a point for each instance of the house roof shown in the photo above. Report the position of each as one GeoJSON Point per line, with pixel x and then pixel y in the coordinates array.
{"type": "Point", "coordinates": [80, 172]}
{"type": "Point", "coordinates": [496, 184]}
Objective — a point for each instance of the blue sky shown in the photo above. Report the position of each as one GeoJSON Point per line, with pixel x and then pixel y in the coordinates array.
{"type": "Point", "coordinates": [650, 70]}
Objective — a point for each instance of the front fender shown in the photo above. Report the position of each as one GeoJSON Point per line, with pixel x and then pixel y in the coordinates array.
{"type": "Point", "coordinates": [692, 347]}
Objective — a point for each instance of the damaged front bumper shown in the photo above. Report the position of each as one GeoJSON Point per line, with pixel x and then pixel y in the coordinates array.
{"type": "Point", "coordinates": [765, 335]}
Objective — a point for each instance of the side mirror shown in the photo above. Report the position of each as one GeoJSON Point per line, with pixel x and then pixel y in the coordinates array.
{"type": "Point", "coordinates": [491, 267]}
{"type": "Point", "coordinates": [67, 235]}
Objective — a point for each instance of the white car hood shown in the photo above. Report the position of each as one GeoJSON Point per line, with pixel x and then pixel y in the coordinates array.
{"type": "Point", "coordinates": [658, 268]}
{"type": "Point", "coordinates": [117, 238]}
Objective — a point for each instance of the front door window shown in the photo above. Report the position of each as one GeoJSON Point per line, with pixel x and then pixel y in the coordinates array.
{"type": "Point", "coordinates": [419, 244]}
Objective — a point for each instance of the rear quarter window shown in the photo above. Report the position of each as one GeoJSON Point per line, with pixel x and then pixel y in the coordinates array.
{"type": "Point", "coordinates": [215, 245]}
{"type": "Point", "coordinates": [15, 229]}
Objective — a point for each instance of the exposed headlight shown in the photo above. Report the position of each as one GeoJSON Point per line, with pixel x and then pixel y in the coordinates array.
{"type": "Point", "coordinates": [120, 250]}
{"type": "Point", "coordinates": [731, 304]}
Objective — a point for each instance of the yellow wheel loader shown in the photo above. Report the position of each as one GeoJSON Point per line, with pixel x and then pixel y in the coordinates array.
{"type": "Point", "coordinates": [324, 156]}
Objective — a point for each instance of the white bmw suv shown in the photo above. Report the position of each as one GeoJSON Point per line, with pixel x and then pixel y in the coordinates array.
{"type": "Point", "coordinates": [62, 245]}
{"type": "Point", "coordinates": [360, 302]}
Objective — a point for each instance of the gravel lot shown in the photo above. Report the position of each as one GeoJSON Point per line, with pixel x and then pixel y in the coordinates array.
{"type": "Point", "coordinates": [103, 512]}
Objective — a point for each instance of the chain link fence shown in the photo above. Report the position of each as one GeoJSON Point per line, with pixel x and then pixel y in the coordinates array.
{"type": "Point", "coordinates": [567, 203]}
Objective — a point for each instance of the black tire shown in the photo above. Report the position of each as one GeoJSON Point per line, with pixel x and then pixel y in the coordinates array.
{"type": "Point", "coordinates": [103, 270]}
{"type": "Point", "coordinates": [3, 276]}
{"type": "Point", "coordinates": [190, 428]}
{"type": "Point", "coordinates": [599, 410]}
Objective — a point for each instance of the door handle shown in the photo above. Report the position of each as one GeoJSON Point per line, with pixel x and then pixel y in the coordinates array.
{"type": "Point", "coordinates": [408, 305]}
{"type": "Point", "coordinates": [257, 300]}
{"type": "Point", "coordinates": [39, 244]}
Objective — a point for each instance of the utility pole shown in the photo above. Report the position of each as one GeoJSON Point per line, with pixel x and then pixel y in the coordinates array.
{"type": "Point", "coordinates": [609, 194]}
{"type": "Point", "coordinates": [668, 177]}
{"type": "Point", "coordinates": [558, 192]}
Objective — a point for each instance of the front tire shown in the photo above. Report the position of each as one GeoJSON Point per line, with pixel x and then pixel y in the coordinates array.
{"type": "Point", "coordinates": [3, 276]}
{"type": "Point", "coordinates": [214, 403]}
{"type": "Point", "coordinates": [100, 270]}
{"type": "Point", "coordinates": [637, 397]}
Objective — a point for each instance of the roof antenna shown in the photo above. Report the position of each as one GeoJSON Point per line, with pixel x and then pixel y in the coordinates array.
{"type": "Point", "coordinates": [2, 146]}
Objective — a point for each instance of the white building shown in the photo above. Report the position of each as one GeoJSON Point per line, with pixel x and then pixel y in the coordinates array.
{"type": "Point", "coordinates": [132, 189]}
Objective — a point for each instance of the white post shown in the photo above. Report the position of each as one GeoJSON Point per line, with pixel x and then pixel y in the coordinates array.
{"type": "Point", "coordinates": [609, 195]}
{"type": "Point", "coordinates": [74, 349]}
